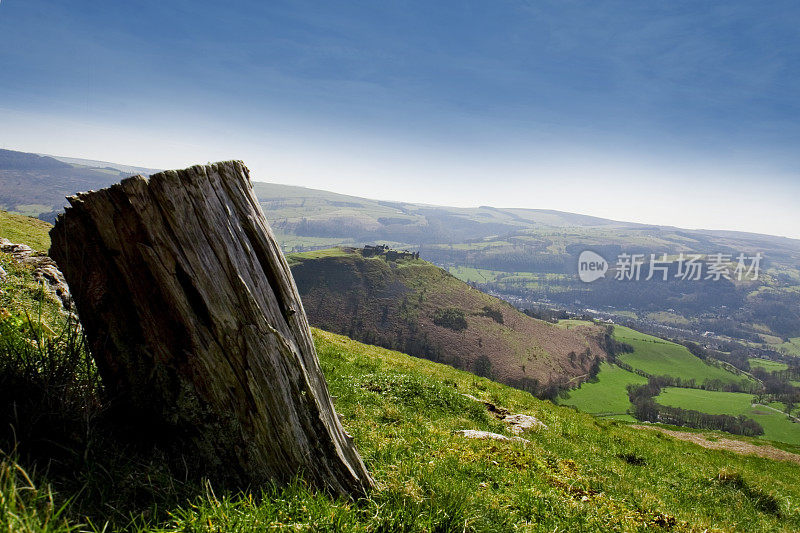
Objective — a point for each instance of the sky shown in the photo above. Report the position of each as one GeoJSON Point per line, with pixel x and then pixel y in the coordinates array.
{"type": "Point", "coordinates": [679, 113]}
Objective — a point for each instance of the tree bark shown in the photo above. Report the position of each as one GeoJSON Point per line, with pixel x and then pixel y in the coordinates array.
{"type": "Point", "coordinates": [197, 329]}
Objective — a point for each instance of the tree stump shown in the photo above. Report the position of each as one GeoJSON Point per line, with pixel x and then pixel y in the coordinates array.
{"type": "Point", "coordinates": [197, 329]}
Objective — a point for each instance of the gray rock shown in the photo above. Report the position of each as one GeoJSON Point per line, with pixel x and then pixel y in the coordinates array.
{"type": "Point", "coordinates": [477, 434]}
{"type": "Point", "coordinates": [520, 423]}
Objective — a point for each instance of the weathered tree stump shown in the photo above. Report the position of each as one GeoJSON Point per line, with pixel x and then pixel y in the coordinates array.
{"type": "Point", "coordinates": [197, 328]}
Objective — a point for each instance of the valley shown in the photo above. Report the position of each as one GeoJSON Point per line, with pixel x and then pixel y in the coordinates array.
{"type": "Point", "coordinates": [527, 258]}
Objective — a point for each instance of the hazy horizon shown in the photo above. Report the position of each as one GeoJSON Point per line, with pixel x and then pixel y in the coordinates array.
{"type": "Point", "coordinates": [682, 114]}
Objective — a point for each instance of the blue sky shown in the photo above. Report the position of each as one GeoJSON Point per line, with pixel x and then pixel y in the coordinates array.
{"type": "Point", "coordinates": [681, 113]}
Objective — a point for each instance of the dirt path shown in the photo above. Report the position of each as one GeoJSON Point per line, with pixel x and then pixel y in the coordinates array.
{"type": "Point", "coordinates": [736, 446]}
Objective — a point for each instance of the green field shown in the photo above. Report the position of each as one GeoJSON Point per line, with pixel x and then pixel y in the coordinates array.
{"type": "Point", "coordinates": [473, 275]}
{"type": "Point", "coordinates": [766, 364]}
{"type": "Point", "coordinates": [529, 280]}
{"type": "Point", "coordinates": [607, 396]}
{"type": "Point", "coordinates": [776, 425]}
{"type": "Point", "coordinates": [663, 358]}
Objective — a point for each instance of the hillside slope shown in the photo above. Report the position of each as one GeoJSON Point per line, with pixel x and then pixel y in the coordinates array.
{"type": "Point", "coordinates": [411, 305]}
{"type": "Point", "coordinates": [575, 474]}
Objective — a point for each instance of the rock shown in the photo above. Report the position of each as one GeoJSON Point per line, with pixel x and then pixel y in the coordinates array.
{"type": "Point", "coordinates": [520, 423]}
{"type": "Point", "coordinates": [44, 269]}
{"type": "Point", "coordinates": [477, 434]}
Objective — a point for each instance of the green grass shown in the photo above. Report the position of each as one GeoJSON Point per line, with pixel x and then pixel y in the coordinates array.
{"type": "Point", "coordinates": [530, 280]}
{"type": "Point", "coordinates": [776, 425]}
{"type": "Point", "coordinates": [24, 507]}
{"type": "Point", "coordinates": [607, 395]}
{"type": "Point", "coordinates": [579, 474]}
{"type": "Point", "coordinates": [25, 230]}
{"type": "Point", "coordinates": [766, 364]}
{"type": "Point", "coordinates": [317, 254]}
{"type": "Point", "coordinates": [663, 358]}
{"type": "Point", "coordinates": [792, 347]}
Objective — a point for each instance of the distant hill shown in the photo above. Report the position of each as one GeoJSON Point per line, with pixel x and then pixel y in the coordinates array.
{"type": "Point", "coordinates": [91, 163]}
{"type": "Point", "coordinates": [398, 301]}
{"type": "Point", "coordinates": [528, 256]}
{"type": "Point", "coordinates": [36, 185]}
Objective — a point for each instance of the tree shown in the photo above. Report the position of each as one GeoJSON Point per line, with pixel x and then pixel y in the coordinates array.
{"type": "Point", "coordinates": [199, 335]}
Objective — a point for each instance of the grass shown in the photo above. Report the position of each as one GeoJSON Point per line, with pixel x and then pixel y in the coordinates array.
{"type": "Point", "coordinates": [579, 474]}
{"type": "Point", "coordinates": [316, 254]}
{"type": "Point", "coordinates": [529, 280]}
{"type": "Point", "coordinates": [791, 347]}
{"type": "Point", "coordinates": [776, 425]}
{"type": "Point", "coordinates": [606, 395]}
{"type": "Point", "coordinates": [20, 229]}
{"type": "Point", "coordinates": [26, 508]}
{"type": "Point", "coordinates": [663, 358]}
{"type": "Point", "coordinates": [766, 364]}
{"type": "Point", "coordinates": [569, 323]}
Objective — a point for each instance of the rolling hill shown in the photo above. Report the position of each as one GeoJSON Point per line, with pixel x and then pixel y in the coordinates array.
{"type": "Point", "coordinates": [398, 301]}
{"type": "Point", "coordinates": [528, 256]}
{"type": "Point", "coordinates": [35, 185]}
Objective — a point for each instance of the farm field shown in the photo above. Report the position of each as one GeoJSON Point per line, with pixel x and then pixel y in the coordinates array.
{"type": "Point", "coordinates": [663, 358]}
{"type": "Point", "coordinates": [607, 396]}
{"type": "Point", "coordinates": [529, 280]}
{"type": "Point", "coordinates": [473, 275]}
{"type": "Point", "coordinates": [776, 425]}
{"type": "Point", "coordinates": [766, 364]}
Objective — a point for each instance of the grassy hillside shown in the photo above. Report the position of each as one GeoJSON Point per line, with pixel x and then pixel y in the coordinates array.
{"type": "Point", "coordinates": [777, 426]}
{"type": "Point", "coordinates": [766, 364]}
{"type": "Point", "coordinates": [578, 474]}
{"type": "Point", "coordinates": [21, 229]}
{"type": "Point", "coordinates": [414, 306]}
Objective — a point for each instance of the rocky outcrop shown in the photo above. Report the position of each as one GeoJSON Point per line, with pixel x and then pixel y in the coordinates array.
{"type": "Point", "coordinates": [42, 267]}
